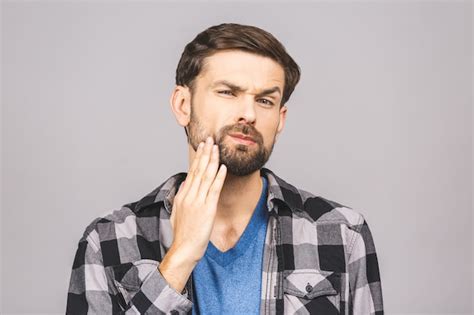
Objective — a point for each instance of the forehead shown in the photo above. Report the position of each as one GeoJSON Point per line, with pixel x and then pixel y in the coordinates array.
{"type": "Point", "coordinates": [243, 68]}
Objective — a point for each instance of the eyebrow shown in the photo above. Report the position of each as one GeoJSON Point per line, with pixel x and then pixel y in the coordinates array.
{"type": "Point", "coordinates": [237, 88]}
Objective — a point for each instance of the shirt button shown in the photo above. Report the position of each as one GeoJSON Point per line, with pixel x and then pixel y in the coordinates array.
{"type": "Point", "coordinates": [309, 288]}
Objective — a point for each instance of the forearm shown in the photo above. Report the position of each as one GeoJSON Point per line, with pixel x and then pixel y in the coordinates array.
{"type": "Point", "coordinates": [90, 290]}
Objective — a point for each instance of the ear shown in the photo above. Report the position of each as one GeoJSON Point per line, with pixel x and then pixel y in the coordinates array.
{"type": "Point", "coordinates": [281, 123]}
{"type": "Point", "coordinates": [180, 102]}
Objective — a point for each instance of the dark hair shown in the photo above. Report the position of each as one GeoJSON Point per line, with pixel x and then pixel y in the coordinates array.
{"type": "Point", "coordinates": [227, 36]}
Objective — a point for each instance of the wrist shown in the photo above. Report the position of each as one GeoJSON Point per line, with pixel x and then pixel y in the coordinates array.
{"type": "Point", "coordinates": [176, 267]}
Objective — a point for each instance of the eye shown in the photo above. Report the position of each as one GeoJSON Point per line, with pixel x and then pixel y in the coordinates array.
{"type": "Point", "coordinates": [225, 92]}
{"type": "Point", "coordinates": [268, 102]}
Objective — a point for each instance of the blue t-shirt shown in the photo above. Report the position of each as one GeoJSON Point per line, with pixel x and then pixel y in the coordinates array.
{"type": "Point", "coordinates": [230, 282]}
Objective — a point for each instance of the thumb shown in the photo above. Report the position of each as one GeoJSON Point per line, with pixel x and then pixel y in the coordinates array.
{"type": "Point", "coordinates": [180, 186]}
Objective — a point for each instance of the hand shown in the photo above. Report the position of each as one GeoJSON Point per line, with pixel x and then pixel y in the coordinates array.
{"type": "Point", "coordinates": [195, 203]}
{"type": "Point", "coordinates": [193, 214]}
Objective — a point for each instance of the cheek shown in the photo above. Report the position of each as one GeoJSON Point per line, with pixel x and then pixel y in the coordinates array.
{"type": "Point", "coordinates": [267, 139]}
{"type": "Point", "coordinates": [270, 130]}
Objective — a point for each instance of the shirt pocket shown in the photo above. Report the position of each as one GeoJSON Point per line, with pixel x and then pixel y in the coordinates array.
{"type": "Point", "coordinates": [129, 277]}
{"type": "Point", "coordinates": [312, 291]}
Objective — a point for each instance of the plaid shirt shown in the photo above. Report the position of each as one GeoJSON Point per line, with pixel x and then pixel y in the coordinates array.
{"type": "Point", "coordinates": [319, 258]}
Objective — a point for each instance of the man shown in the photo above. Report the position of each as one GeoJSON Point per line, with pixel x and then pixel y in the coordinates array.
{"type": "Point", "coordinates": [229, 236]}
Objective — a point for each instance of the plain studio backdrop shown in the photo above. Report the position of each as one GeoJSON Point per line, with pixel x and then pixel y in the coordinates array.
{"type": "Point", "coordinates": [381, 121]}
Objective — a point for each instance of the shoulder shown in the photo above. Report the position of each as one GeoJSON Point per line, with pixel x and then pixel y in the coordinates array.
{"type": "Point", "coordinates": [111, 225]}
{"type": "Point", "coordinates": [323, 210]}
{"type": "Point", "coordinates": [313, 208]}
{"type": "Point", "coordinates": [124, 236]}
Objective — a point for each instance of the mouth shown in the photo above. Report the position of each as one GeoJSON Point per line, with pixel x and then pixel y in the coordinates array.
{"type": "Point", "coordinates": [239, 138]}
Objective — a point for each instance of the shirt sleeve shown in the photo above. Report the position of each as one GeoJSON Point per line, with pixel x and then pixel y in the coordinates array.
{"type": "Point", "coordinates": [92, 290]}
{"type": "Point", "coordinates": [364, 276]}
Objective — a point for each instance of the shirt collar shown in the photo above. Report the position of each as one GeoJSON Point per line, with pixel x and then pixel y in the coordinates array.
{"type": "Point", "coordinates": [277, 189]}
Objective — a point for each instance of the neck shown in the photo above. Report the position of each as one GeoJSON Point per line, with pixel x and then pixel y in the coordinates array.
{"type": "Point", "coordinates": [239, 197]}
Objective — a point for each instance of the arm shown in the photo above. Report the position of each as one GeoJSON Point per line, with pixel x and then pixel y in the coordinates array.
{"type": "Point", "coordinates": [364, 277]}
{"type": "Point", "coordinates": [91, 291]}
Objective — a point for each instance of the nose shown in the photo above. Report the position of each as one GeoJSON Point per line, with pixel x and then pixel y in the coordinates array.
{"type": "Point", "coordinates": [247, 111]}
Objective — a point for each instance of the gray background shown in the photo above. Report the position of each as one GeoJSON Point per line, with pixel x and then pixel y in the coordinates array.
{"type": "Point", "coordinates": [381, 121]}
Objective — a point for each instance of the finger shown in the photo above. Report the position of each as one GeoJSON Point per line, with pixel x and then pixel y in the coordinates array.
{"type": "Point", "coordinates": [192, 169]}
{"type": "Point", "coordinates": [180, 188]}
{"type": "Point", "coordinates": [172, 220]}
{"type": "Point", "coordinates": [209, 174]}
{"type": "Point", "coordinates": [216, 187]}
{"type": "Point", "coordinates": [201, 168]}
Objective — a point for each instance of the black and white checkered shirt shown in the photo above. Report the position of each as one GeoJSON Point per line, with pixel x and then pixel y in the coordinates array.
{"type": "Point", "coordinates": [319, 258]}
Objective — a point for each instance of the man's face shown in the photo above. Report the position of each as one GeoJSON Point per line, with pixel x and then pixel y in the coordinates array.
{"type": "Point", "coordinates": [238, 107]}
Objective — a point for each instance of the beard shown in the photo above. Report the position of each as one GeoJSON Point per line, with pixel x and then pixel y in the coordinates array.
{"type": "Point", "coordinates": [240, 159]}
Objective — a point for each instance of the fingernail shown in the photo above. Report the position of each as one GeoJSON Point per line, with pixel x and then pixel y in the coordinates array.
{"type": "Point", "coordinates": [208, 140]}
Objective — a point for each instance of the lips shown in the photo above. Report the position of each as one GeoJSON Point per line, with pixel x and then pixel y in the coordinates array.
{"type": "Point", "coordinates": [241, 136]}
